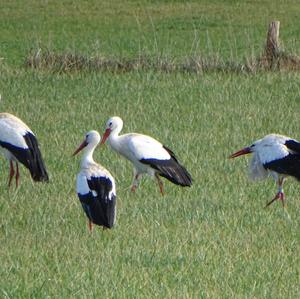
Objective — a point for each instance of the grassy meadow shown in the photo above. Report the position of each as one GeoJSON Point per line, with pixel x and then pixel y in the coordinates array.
{"type": "Point", "coordinates": [213, 240]}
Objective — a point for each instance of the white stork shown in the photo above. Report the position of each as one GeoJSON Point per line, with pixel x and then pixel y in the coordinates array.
{"type": "Point", "coordinates": [274, 154]}
{"type": "Point", "coordinates": [19, 144]}
{"type": "Point", "coordinates": [146, 154]}
{"type": "Point", "coordinates": [95, 186]}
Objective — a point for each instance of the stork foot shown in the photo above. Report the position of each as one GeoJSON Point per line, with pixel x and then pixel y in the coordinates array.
{"type": "Point", "coordinates": [133, 188]}
{"type": "Point", "coordinates": [279, 195]}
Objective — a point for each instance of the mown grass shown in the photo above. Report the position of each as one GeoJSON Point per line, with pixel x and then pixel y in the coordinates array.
{"type": "Point", "coordinates": [229, 29]}
{"type": "Point", "coordinates": [214, 239]}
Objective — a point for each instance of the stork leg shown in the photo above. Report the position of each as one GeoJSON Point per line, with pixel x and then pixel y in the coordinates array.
{"type": "Point", "coordinates": [17, 174]}
{"type": "Point", "coordinates": [90, 225]}
{"type": "Point", "coordinates": [280, 193]}
{"type": "Point", "coordinates": [136, 180]}
{"type": "Point", "coordinates": [160, 184]}
{"type": "Point", "coordinates": [11, 172]}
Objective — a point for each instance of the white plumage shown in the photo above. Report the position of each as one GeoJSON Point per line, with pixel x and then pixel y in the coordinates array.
{"type": "Point", "coordinates": [256, 168]}
{"type": "Point", "coordinates": [144, 147]}
{"type": "Point", "coordinates": [271, 147]}
{"type": "Point", "coordinates": [95, 186]}
{"type": "Point", "coordinates": [13, 130]}
{"type": "Point", "coordinates": [146, 154]}
{"type": "Point", "coordinates": [276, 155]}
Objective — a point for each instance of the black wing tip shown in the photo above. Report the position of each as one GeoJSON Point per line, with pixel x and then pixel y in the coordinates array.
{"type": "Point", "coordinates": [108, 225]}
{"type": "Point", "coordinates": [185, 179]}
{"type": "Point", "coordinates": [188, 184]}
{"type": "Point", "coordinates": [105, 224]}
{"type": "Point", "coordinates": [172, 170]}
{"type": "Point", "coordinates": [39, 174]}
{"type": "Point", "coordinates": [35, 162]}
{"type": "Point", "coordinates": [42, 179]}
{"type": "Point", "coordinates": [185, 183]}
{"type": "Point", "coordinates": [179, 176]}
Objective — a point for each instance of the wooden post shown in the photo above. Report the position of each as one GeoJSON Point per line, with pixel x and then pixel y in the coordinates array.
{"type": "Point", "coordinates": [272, 44]}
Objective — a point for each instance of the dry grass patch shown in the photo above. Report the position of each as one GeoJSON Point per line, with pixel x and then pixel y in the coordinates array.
{"type": "Point", "coordinates": [72, 62]}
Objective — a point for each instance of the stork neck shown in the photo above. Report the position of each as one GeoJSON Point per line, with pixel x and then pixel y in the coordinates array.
{"type": "Point", "coordinates": [116, 131]}
{"type": "Point", "coordinates": [87, 157]}
{"type": "Point", "coordinates": [114, 136]}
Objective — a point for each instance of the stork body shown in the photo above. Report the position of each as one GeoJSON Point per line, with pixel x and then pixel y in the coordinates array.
{"type": "Point", "coordinates": [276, 155]}
{"type": "Point", "coordinates": [19, 144]}
{"type": "Point", "coordinates": [147, 156]}
{"type": "Point", "coordinates": [95, 186]}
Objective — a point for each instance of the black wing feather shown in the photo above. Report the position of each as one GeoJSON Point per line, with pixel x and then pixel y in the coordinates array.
{"type": "Point", "coordinates": [31, 157]}
{"type": "Point", "coordinates": [293, 145]}
{"type": "Point", "coordinates": [170, 169]}
{"type": "Point", "coordinates": [289, 165]}
{"type": "Point", "coordinates": [100, 209]}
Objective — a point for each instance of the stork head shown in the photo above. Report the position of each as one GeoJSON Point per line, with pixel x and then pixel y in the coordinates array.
{"type": "Point", "coordinates": [92, 138]}
{"type": "Point", "coordinates": [244, 151]}
{"type": "Point", "coordinates": [114, 124]}
{"type": "Point", "coordinates": [258, 145]}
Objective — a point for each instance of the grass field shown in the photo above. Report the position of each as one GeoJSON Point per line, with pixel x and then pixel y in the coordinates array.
{"type": "Point", "coordinates": [213, 240]}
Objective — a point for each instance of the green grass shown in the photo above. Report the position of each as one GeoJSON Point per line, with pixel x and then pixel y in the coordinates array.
{"type": "Point", "coordinates": [213, 240]}
{"type": "Point", "coordinates": [230, 29]}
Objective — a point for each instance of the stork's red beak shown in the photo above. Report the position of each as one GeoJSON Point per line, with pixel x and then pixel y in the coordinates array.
{"type": "Point", "coordinates": [81, 146]}
{"type": "Point", "coordinates": [105, 136]}
{"type": "Point", "coordinates": [241, 152]}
